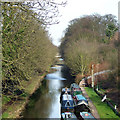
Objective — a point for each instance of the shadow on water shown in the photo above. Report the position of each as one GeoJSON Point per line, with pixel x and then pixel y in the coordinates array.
{"type": "Point", "coordinates": [66, 74]}
{"type": "Point", "coordinates": [45, 103]}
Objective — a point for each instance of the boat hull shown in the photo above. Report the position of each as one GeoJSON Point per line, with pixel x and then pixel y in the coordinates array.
{"type": "Point", "coordinates": [67, 109]}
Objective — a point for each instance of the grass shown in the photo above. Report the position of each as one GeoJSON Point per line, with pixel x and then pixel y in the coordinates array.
{"type": "Point", "coordinates": [13, 110]}
{"type": "Point", "coordinates": [103, 109]}
{"type": "Point", "coordinates": [5, 115]}
{"type": "Point", "coordinates": [102, 91]}
{"type": "Point", "coordinates": [5, 99]}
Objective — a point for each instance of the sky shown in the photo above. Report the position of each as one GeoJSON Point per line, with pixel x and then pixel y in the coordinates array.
{"type": "Point", "coordinates": [78, 8]}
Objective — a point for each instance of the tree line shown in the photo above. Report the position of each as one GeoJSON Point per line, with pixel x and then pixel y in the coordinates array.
{"type": "Point", "coordinates": [26, 46]}
{"type": "Point", "coordinates": [91, 39]}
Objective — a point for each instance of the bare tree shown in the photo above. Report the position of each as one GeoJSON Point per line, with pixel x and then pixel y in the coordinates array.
{"type": "Point", "coordinates": [47, 11]}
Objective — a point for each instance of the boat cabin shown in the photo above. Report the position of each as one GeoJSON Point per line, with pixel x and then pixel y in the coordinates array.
{"type": "Point", "coordinates": [80, 98]}
{"type": "Point", "coordinates": [68, 116]}
{"type": "Point", "coordinates": [64, 91]}
{"type": "Point", "coordinates": [67, 103]}
{"type": "Point", "coordinates": [81, 104]}
{"type": "Point", "coordinates": [86, 116]}
{"type": "Point", "coordinates": [75, 86]}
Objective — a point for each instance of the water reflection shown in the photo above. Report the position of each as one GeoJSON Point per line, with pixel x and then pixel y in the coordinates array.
{"type": "Point", "coordinates": [48, 105]}
{"type": "Point", "coordinates": [55, 76]}
{"type": "Point", "coordinates": [54, 87]}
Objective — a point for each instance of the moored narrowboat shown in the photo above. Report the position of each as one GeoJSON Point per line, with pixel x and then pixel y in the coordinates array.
{"type": "Point", "coordinates": [75, 89]}
{"type": "Point", "coordinates": [64, 91]}
{"type": "Point", "coordinates": [67, 103]}
{"type": "Point", "coordinates": [81, 104]}
{"type": "Point", "coordinates": [74, 86]}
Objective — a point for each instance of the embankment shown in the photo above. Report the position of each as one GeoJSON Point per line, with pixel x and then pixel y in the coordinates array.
{"type": "Point", "coordinates": [14, 108]}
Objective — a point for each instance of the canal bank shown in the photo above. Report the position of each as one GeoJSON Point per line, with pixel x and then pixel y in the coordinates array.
{"type": "Point", "coordinates": [14, 108]}
{"type": "Point", "coordinates": [47, 104]}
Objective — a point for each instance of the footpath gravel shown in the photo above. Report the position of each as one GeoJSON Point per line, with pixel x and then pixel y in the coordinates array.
{"type": "Point", "coordinates": [91, 105]}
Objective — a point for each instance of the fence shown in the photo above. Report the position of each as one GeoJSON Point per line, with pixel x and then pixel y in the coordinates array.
{"type": "Point", "coordinates": [108, 102]}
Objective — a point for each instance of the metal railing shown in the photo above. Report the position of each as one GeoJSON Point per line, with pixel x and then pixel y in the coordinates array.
{"type": "Point", "coordinates": [108, 102]}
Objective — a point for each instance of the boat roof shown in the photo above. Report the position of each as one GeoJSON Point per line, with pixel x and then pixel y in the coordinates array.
{"type": "Point", "coordinates": [67, 113]}
{"type": "Point", "coordinates": [80, 97]}
{"type": "Point", "coordinates": [75, 85]}
{"type": "Point", "coordinates": [67, 97]}
{"type": "Point", "coordinates": [87, 115]}
{"type": "Point", "coordinates": [82, 102]}
{"type": "Point", "coordinates": [72, 115]}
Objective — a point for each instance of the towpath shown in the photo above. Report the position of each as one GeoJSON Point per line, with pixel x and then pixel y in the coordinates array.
{"type": "Point", "coordinates": [92, 107]}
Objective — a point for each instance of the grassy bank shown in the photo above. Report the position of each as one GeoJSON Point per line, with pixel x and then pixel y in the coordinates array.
{"type": "Point", "coordinates": [12, 108]}
{"type": "Point", "coordinates": [103, 109]}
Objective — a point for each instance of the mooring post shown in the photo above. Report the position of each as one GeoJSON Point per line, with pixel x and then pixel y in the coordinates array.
{"type": "Point", "coordinates": [92, 77]}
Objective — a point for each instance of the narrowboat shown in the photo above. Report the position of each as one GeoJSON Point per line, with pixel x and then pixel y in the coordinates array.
{"type": "Point", "coordinates": [67, 103]}
{"type": "Point", "coordinates": [68, 116]}
{"type": "Point", "coordinates": [81, 104]}
{"type": "Point", "coordinates": [75, 89]}
{"type": "Point", "coordinates": [64, 90]}
{"type": "Point", "coordinates": [86, 116]}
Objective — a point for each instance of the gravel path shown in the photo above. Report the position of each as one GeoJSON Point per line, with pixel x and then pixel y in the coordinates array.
{"type": "Point", "coordinates": [91, 105]}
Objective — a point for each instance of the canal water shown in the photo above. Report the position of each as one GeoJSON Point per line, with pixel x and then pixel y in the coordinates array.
{"type": "Point", "coordinates": [48, 104]}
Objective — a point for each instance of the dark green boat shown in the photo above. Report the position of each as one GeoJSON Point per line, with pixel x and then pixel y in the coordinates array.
{"type": "Point", "coordinates": [75, 89]}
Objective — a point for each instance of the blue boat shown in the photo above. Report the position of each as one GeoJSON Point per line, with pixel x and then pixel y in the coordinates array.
{"type": "Point", "coordinates": [79, 99]}
{"type": "Point", "coordinates": [86, 116]}
{"type": "Point", "coordinates": [64, 90]}
{"type": "Point", "coordinates": [81, 104]}
{"type": "Point", "coordinates": [68, 116]}
{"type": "Point", "coordinates": [67, 103]}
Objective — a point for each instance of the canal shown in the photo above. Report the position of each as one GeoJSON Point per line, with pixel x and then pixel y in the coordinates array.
{"type": "Point", "coordinates": [48, 104]}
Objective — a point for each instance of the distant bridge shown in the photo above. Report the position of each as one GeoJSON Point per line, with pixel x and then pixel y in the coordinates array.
{"type": "Point", "coordinates": [98, 73]}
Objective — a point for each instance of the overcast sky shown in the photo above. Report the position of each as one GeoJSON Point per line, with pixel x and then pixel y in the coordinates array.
{"type": "Point", "coordinates": [77, 8]}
